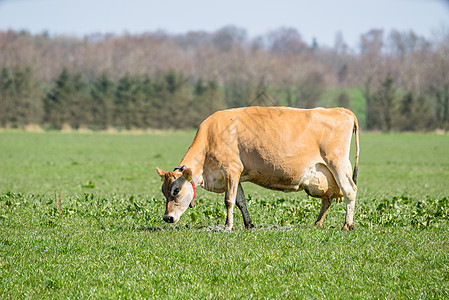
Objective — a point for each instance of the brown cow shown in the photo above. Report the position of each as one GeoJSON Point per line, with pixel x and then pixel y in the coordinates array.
{"type": "Point", "coordinates": [278, 148]}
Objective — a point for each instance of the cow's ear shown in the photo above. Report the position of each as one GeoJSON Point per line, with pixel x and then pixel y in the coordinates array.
{"type": "Point", "coordinates": [161, 173]}
{"type": "Point", "coordinates": [187, 174]}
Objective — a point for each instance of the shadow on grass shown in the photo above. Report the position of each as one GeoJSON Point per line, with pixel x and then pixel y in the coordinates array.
{"type": "Point", "coordinates": [214, 228]}
{"type": "Point", "coordinates": [164, 228]}
{"type": "Point", "coordinates": [222, 228]}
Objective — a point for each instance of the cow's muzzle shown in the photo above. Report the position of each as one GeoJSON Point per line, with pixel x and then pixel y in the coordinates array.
{"type": "Point", "coordinates": [168, 219]}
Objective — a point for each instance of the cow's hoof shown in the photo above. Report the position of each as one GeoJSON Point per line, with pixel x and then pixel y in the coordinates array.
{"type": "Point", "coordinates": [318, 225]}
{"type": "Point", "coordinates": [249, 227]}
{"type": "Point", "coordinates": [347, 227]}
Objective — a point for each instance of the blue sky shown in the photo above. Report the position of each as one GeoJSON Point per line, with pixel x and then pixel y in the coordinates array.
{"type": "Point", "coordinates": [320, 19]}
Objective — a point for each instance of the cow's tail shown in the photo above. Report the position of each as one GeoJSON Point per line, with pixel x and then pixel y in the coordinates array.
{"type": "Point", "coordinates": [356, 164]}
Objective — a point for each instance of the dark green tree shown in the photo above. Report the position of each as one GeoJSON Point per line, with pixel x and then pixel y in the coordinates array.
{"type": "Point", "coordinates": [207, 99]}
{"type": "Point", "coordinates": [20, 98]}
{"type": "Point", "coordinates": [385, 99]}
{"type": "Point", "coordinates": [380, 106]}
{"type": "Point", "coordinates": [413, 113]}
{"type": "Point", "coordinates": [6, 96]}
{"type": "Point", "coordinates": [102, 96]}
{"type": "Point", "coordinates": [124, 102]}
{"type": "Point", "coordinates": [343, 100]}
{"type": "Point", "coordinates": [68, 102]}
{"type": "Point", "coordinates": [309, 90]}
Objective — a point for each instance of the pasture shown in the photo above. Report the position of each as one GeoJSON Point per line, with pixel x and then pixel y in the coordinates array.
{"type": "Point", "coordinates": [81, 217]}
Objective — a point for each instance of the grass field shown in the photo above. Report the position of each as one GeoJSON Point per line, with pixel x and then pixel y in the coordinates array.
{"type": "Point", "coordinates": [81, 217]}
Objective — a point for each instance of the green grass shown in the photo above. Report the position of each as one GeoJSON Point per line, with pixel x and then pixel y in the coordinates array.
{"type": "Point", "coordinates": [80, 217]}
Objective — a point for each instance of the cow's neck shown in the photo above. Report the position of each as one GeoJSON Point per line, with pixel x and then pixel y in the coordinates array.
{"type": "Point", "coordinates": [194, 159]}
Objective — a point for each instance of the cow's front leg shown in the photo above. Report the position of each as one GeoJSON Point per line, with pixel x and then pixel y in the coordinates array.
{"type": "Point", "coordinates": [325, 204]}
{"type": "Point", "coordinates": [230, 198]}
{"type": "Point", "coordinates": [241, 203]}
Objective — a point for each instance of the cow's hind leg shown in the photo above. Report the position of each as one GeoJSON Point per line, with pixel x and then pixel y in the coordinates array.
{"type": "Point", "coordinates": [343, 176]}
{"type": "Point", "coordinates": [241, 203]}
{"type": "Point", "coordinates": [325, 204]}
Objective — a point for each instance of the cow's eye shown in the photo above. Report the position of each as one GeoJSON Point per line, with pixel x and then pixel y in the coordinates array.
{"type": "Point", "coordinates": [176, 192]}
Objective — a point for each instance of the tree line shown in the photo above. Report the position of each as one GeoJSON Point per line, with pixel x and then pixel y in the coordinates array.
{"type": "Point", "coordinates": [131, 102]}
{"type": "Point", "coordinates": [396, 81]}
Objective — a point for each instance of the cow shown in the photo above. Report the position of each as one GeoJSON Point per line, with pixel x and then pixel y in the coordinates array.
{"type": "Point", "coordinates": [279, 148]}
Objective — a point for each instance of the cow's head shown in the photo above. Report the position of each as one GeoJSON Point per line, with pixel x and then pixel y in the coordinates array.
{"type": "Point", "coordinates": [179, 190]}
